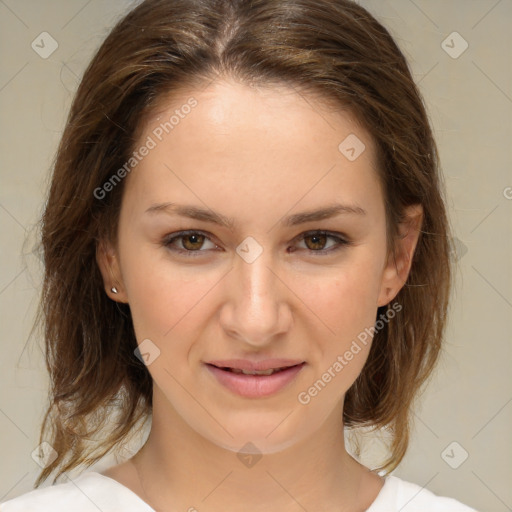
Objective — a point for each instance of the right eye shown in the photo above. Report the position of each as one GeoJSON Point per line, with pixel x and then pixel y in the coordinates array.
{"type": "Point", "coordinates": [190, 242]}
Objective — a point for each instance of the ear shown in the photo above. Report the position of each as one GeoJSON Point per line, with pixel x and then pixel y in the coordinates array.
{"type": "Point", "coordinates": [398, 265]}
{"type": "Point", "coordinates": [108, 264]}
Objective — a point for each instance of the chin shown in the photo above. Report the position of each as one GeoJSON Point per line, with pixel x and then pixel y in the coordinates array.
{"type": "Point", "coordinates": [256, 434]}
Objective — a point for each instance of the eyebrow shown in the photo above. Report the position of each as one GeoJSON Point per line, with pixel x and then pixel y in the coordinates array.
{"type": "Point", "coordinates": [207, 215]}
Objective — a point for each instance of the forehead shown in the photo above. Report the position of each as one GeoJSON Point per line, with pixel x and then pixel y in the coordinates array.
{"type": "Point", "coordinates": [234, 105]}
{"type": "Point", "coordinates": [234, 137]}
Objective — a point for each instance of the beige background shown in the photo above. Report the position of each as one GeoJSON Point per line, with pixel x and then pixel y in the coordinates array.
{"type": "Point", "coordinates": [469, 99]}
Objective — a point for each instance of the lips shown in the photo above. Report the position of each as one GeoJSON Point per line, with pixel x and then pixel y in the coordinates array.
{"type": "Point", "coordinates": [255, 379]}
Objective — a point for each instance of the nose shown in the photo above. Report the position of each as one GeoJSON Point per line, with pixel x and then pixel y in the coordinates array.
{"type": "Point", "coordinates": [256, 309]}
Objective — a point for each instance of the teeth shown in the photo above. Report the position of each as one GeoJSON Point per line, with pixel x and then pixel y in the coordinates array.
{"type": "Point", "coordinates": [255, 372]}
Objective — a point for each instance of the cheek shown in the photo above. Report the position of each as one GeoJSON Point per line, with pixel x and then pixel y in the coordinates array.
{"type": "Point", "coordinates": [346, 301]}
{"type": "Point", "coordinates": [163, 297]}
{"type": "Point", "coordinates": [347, 297]}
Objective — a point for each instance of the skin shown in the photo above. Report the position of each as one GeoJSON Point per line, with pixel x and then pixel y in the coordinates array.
{"type": "Point", "coordinates": [255, 156]}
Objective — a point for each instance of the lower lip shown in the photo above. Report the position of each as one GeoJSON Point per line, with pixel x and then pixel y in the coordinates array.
{"type": "Point", "coordinates": [255, 386]}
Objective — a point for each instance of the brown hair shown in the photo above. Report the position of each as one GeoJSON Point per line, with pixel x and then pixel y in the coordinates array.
{"type": "Point", "coordinates": [333, 49]}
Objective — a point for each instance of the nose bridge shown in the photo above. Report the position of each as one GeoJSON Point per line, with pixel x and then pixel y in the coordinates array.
{"type": "Point", "coordinates": [255, 303]}
{"type": "Point", "coordinates": [257, 282]}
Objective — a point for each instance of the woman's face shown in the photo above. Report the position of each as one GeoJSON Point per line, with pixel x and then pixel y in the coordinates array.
{"type": "Point", "coordinates": [262, 279]}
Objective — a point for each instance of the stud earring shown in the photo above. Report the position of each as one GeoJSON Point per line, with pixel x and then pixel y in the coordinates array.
{"type": "Point", "coordinates": [114, 289]}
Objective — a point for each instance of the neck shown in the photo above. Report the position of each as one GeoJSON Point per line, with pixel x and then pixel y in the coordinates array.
{"type": "Point", "coordinates": [177, 465]}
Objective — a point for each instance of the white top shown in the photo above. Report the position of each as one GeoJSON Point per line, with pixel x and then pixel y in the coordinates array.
{"type": "Point", "coordinates": [93, 492]}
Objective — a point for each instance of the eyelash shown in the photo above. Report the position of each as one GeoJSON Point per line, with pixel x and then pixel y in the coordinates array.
{"type": "Point", "coordinates": [341, 241]}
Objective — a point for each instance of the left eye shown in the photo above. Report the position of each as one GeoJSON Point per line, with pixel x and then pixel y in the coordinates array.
{"type": "Point", "coordinates": [320, 238]}
{"type": "Point", "coordinates": [192, 242]}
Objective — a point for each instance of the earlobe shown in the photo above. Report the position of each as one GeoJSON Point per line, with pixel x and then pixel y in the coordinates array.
{"type": "Point", "coordinates": [110, 271]}
{"type": "Point", "coordinates": [399, 262]}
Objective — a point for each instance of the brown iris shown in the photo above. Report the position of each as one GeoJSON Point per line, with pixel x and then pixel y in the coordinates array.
{"type": "Point", "coordinates": [197, 241]}
{"type": "Point", "coordinates": [318, 239]}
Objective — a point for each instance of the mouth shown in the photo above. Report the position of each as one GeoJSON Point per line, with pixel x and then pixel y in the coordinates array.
{"type": "Point", "coordinates": [246, 379]}
{"type": "Point", "coordinates": [249, 367]}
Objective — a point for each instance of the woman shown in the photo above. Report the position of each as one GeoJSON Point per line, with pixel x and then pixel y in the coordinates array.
{"type": "Point", "coordinates": [245, 242]}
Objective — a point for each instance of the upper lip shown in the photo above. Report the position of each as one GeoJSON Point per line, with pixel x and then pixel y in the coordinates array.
{"type": "Point", "coordinates": [245, 364]}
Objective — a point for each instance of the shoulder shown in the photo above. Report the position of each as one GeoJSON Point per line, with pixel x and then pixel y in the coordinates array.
{"type": "Point", "coordinates": [398, 494]}
{"type": "Point", "coordinates": [89, 492]}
